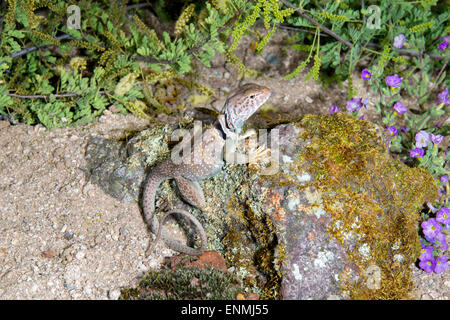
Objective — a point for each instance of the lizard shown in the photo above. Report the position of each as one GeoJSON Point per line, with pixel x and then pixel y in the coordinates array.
{"type": "Point", "coordinates": [238, 107]}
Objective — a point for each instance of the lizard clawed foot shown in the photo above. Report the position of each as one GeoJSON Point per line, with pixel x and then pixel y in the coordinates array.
{"type": "Point", "coordinates": [175, 245]}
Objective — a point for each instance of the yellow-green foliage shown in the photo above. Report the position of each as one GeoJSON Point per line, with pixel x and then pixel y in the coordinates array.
{"type": "Point", "coordinates": [183, 19]}
{"type": "Point", "coordinates": [369, 195]}
{"type": "Point", "coordinates": [9, 17]}
{"type": "Point", "coordinates": [270, 8]}
{"type": "Point", "coordinates": [146, 30]}
{"type": "Point", "coordinates": [422, 27]}
{"type": "Point", "coordinates": [331, 16]}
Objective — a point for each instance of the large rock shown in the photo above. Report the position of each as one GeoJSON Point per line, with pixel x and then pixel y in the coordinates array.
{"type": "Point", "coordinates": [337, 220]}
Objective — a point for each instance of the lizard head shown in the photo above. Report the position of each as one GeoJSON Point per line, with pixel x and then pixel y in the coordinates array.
{"type": "Point", "coordinates": [242, 103]}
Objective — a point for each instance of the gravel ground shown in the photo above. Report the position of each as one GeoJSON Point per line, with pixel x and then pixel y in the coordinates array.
{"type": "Point", "coordinates": [60, 236]}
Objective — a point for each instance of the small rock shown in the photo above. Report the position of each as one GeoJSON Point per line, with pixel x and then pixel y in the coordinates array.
{"type": "Point", "coordinates": [211, 258]}
{"type": "Point", "coordinates": [48, 253]}
{"type": "Point", "coordinates": [68, 235]}
{"type": "Point", "coordinates": [251, 296]}
{"type": "Point", "coordinates": [114, 294]}
{"type": "Point", "coordinates": [80, 255]}
{"type": "Point", "coordinates": [308, 99]}
{"type": "Point", "coordinates": [240, 296]}
{"type": "Point", "coordinates": [114, 109]}
{"type": "Point", "coordinates": [271, 58]}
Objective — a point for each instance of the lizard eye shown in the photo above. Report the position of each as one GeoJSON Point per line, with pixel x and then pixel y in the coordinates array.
{"type": "Point", "coordinates": [252, 96]}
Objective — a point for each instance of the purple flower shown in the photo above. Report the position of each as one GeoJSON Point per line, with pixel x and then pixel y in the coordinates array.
{"type": "Point", "coordinates": [404, 129]}
{"type": "Point", "coordinates": [430, 206]}
{"type": "Point", "coordinates": [422, 139]}
{"type": "Point", "coordinates": [443, 215]}
{"type": "Point", "coordinates": [399, 108]}
{"type": "Point", "coordinates": [426, 253]}
{"type": "Point", "coordinates": [354, 104]}
{"type": "Point", "coordinates": [444, 178]}
{"type": "Point", "coordinates": [393, 131]}
{"type": "Point", "coordinates": [428, 265]}
{"type": "Point", "coordinates": [443, 97]}
{"type": "Point", "coordinates": [334, 109]}
{"type": "Point", "coordinates": [447, 37]}
{"type": "Point", "coordinates": [443, 245]}
{"type": "Point", "coordinates": [416, 153]}
{"type": "Point", "coordinates": [393, 81]}
{"type": "Point", "coordinates": [443, 46]}
{"type": "Point", "coordinates": [441, 264]}
{"type": "Point", "coordinates": [436, 139]}
{"type": "Point", "coordinates": [365, 74]}
{"type": "Point", "coordinates": [366, 102]}
{"type": "Point", "coordinates": [399, 41]}
{"type": "Point", "coordinates": [362, 117]}
{"type": "Point", "coordinates": [431, 228]}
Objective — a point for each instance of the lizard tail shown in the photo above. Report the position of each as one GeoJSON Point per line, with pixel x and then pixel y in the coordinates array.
{"type": "Point", "coordinates": [175, 245]}
{"type": "Point", "coordinates": [154, 179]}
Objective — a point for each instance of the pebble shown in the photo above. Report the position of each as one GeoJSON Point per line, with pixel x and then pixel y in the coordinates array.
{"type": "Point", "coordinates": [272, 58]}
{"type": "Point", "coordinates": [80, 255]}
{"type": "Point", "coordinates": [308, 99]}
{"type": "Point", "coordinates": [114, 294]}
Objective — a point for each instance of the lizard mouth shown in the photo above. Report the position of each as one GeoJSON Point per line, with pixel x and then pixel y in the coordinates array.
{"type": "Point", "coordinates": [228, 122]}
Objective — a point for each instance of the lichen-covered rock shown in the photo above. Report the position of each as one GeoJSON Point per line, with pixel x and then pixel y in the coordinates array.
{"type": "Point", "coordinates": [345, 212]}
{"type": "Point", "coordinates": [119, 166]}
{"type": "Point", "coordinates": [337, 220]}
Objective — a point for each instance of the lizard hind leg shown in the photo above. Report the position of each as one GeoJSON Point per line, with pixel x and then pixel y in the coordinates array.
{"type": "Point", "coordinates": [191, 191]}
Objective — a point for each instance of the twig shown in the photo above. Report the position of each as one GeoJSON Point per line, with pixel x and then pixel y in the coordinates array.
{"type": "Point", "coordinates": [402, 52]}
{"type": "Point", "coordinates": [137, 6]}
{"type": "Point", "coordinates": [405, 52]}
{"type": "Point", "coordinates": [317, 24]}
{"type": "Point", "coordinates": [42, 96]}
{"type": "Point", "coordinates": [46, 96]}
{"type": "Point", "coordinates": [34, 48]}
